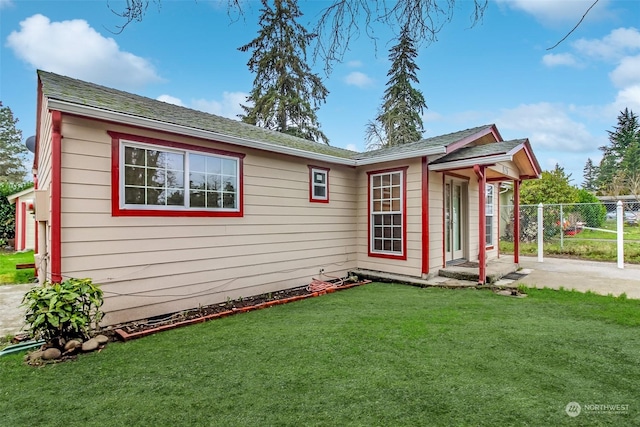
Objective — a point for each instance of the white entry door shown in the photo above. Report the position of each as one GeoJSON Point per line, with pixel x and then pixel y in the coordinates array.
{"type": "Point", "coordinates": [454, 220]}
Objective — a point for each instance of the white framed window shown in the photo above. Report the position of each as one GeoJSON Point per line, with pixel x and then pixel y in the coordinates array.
{"type": "Point", "coordinates": [166, 179]}
{"type": "Point", "coordinates": [387, 214]}
{"type": "Point", "coordinates": [318, 184]}
{"type": "Point", "coordinates": [489, 209]}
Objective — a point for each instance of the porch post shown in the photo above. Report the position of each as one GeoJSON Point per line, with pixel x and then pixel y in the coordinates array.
{"type": "Point", "coordinates": [482, 223]}
{"type": "Point", "coordinates": [425, 216]}
{"type": "Point", "coordinates": [516, 221]}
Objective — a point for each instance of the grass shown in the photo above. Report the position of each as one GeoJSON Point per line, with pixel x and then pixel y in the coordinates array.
{"type": "Point", "coordinates": [589, 244]}
{"type": "Point", "coordinates": [382, 354]}
{"type": "Point", "coordinates": [8, 272]}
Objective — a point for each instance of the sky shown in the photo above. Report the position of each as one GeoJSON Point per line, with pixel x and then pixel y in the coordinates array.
{"type": "Point", "coordinates": [497, 71]}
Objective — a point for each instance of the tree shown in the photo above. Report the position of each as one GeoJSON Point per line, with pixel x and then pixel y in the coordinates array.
{"type": "Point", "coordinates": [554, 187]}
{"type": "Point", "coordinates": [591, 210]}
{"type": "Point", "coordinates": [285, 94]}
{"type": "Point", "coordinates": [590, 176]}
{"type": "Point", "coordinates": [399, 121]}
{"type": "Point", "coordinates": [621, 157]}
{"type": "Point", "coordinates": [12, 151]}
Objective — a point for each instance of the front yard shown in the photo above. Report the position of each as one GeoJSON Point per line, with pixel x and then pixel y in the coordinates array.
{"type": "Point", "coordinates": [381, 354]}
{"type": "Point", "coordinates": [8, 272]}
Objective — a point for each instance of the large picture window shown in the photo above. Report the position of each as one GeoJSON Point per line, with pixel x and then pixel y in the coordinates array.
{"type": "Point", "coordinates": [174, 179]}
{"type": "Point", "coordinates": [387, 214]}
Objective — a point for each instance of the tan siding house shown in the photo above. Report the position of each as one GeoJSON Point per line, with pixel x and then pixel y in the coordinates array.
{"type": "Point", "coordinates": [169, 208]}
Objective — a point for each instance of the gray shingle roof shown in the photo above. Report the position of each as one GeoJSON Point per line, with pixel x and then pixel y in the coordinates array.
{"type": "Point", "coordinates": [432, 142]}
{"type": "Point", "coordinates": [75, 91]}
{"type": "Point", "coordinates": [480, 151]}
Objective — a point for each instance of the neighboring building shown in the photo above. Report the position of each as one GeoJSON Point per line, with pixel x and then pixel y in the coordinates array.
{"type": "Point", "coordinates": [169, 208]}
{"type": "Point", "coordinates": [25, 234]}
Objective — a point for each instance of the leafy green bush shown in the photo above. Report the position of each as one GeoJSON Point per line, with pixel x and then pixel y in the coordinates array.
{"type": "Point", "coordinates": [8, 210]}
{"type": "Point", "coordinates": [62, 311]}
{"type": "Point", "coordinates": [592, 211]}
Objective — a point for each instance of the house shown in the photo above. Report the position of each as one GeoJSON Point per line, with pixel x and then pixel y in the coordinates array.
{"type": "Point", "coordinates": [169, 208]}
{"type": "Point", "coordinates": [25, 232]}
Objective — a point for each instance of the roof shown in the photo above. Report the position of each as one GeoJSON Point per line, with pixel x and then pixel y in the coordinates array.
{"type": "Point", "coordinates": [82, 93]}
{"type": "Point", "coordinates": [485, 150]}
{"type": "Point", "coordinates": [19, 194]}
{"type": "Point", "coordinates": [74, 96]}
{"type": "Point", "coordinates": [441, 141]}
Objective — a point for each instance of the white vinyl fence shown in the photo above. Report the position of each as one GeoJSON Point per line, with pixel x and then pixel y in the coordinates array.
{"type": "Point", "coordinates": [567, 225]}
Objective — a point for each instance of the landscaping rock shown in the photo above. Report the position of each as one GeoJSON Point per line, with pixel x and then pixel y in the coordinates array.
{"type": "Point", "coordinates": [34, 355]}
{"type": "Point", "coordinates": [102, 339]}
{"type": "Point", "coordinates": [72, 344]}
{"type": "Point", "coordinates": [51, 353]}
{"type": "Point", "coordinates": [90, 345]}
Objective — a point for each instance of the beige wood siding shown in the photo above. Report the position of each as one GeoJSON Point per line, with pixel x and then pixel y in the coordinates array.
{"type": "Point", "coordinates": [413, 264]}
{"type": "Point", "coordinates": [43, 167]}
{"type": "Point", "coordinates": [154, 265]}
{"type": "Point", "coordinates": [436, 222]}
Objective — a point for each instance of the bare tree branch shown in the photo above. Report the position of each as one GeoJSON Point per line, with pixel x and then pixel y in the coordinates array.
{"type": "Point", "coordinates": [576, 26]}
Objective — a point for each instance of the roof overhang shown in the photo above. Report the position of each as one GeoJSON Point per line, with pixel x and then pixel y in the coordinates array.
{"type": "Point", "coordinates": [19, 194]}
{"type": "Point", "coordinates": [470, 163]}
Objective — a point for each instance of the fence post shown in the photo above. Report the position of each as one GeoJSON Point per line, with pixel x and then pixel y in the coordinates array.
{"type": "Point", "coordinates": [620, 230]}
{"type": "Point", "coordinates": [540, 234]}
{"type": "Point", "coordinates": [561, 228]}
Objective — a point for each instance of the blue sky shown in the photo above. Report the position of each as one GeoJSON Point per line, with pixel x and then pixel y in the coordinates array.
{"type": "Point", "coordinates": [499, 71]}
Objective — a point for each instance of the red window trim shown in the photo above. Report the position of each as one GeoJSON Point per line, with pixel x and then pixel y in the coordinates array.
{"type": "Point", "coordinates": [403, 257]}
{"type": "Point", "coordinates": [312, 199]}
{"type": "Point", "coordinates": [116, 210]}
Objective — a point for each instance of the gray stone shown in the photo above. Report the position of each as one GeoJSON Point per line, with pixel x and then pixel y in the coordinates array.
{"type": "Point", "coordinates": [72, 344]}
{"type": "Point", "coordinates": [102, 339]}
{"type": "Point", "coordinates": [90, 345]}
{"type": "Point", "coordinates": [51, 353]}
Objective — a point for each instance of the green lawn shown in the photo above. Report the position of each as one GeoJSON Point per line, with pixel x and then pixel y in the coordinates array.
{"type": "Point", "coordinates": [8, 272]}
{"type": "Point", "coordinates": [381, 354]}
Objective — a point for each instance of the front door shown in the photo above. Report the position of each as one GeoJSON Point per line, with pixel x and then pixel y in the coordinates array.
{"type": "Point", "coordinates": [454, 220]}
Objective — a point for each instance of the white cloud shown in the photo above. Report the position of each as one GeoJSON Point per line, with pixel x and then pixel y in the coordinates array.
{"type": "Point", "coordinates": [354, 64]}
{"type": "Point", "coordinates": [615, 45]}
{"type": "Point", "coordinates": [548, 127]}
{"type": "Point", "coordinates": [5, 4]}
{"type": "Point", "coordinates": [628, 97]}
{"type": "Point", "coordinates": [554, 60]}
{"type": "Point", "coordinates": [351, 147]}
{"type": "Point", "coordinates": [75, 49]}
{"type": "Point", "coordinates": [356, 78]}
{"type": "Point", "coordinates": [627, 73]}
{"type": "Point", "coordinates": [170, 100]}
{"type": "Point", "coordinates": [557, 11]}
{"type": "Point", "coordinates": [229, 106]}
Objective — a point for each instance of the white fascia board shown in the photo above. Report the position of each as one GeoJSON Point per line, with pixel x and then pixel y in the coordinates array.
{"type": "Point", "coordinates": [402, 156]}
{"type": "Point", "coordinates": [14, 196]}
{"type": "Point", "coordinates": [468, 163]}
{"type": "Point", "coordinates": [113, 116]}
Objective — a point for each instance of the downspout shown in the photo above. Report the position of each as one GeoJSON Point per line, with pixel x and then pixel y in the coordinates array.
{"type": "Point", "coordinates": [516, 221]}
{"type": "Point", "coordinates": [56, 194]}
{"type": "Point", "coordinates": [425, 216]}
{"type": "Point", "coordinates": [482, 223]}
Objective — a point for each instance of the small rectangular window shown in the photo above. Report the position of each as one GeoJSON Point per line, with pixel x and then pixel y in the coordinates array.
{"type": "Point", "coordinates": [489, 215]}
{"type": "Point", "coordinates": [318, 184]}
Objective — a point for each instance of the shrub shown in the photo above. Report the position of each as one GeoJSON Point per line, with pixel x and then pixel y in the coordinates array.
{"type": "Point", "coordinates": [62, 311]}
{"type": "Point", "coordinates": [591, 210]}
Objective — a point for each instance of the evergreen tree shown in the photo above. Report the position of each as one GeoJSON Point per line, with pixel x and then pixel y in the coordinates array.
{"type": "Point", "coordinates": [12, 151]}
{"type": "Point", "coordinates": [621, 157]}
{"type": "Point", "coordinates": [400, 118]}
{"type": "Point", "coordinates": [285, 94]}
{"type": "Point", "coordinates": [590, 176]}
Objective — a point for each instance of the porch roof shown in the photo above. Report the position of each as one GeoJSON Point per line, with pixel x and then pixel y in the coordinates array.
{"type": "Point", "coordinates": [518, 151]}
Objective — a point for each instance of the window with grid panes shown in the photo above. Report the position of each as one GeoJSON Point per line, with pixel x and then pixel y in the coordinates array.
{"type": "Point", "coordinates": [387, 213]}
